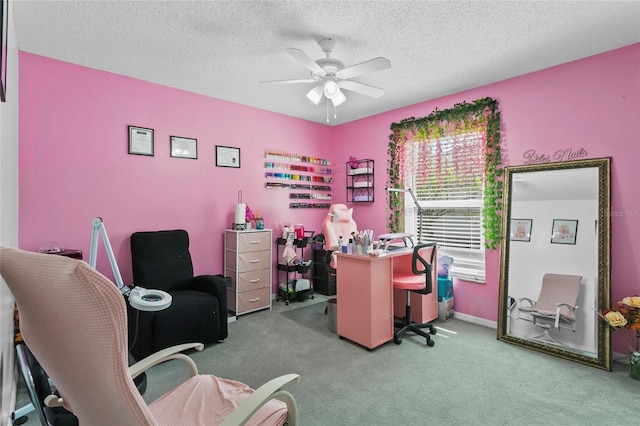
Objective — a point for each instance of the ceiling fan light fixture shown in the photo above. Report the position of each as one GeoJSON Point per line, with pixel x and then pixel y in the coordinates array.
{"type": "Point", "coordinates": [338, 99]}
{"type": "Point", "coordinates": [330, 78]}
{"type": "Point", "coordinates": [331, 89]}
{"type": "Point", "coordinates": [315, 94]}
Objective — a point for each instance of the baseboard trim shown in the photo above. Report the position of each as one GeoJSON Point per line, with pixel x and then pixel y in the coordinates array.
{"type": "Point", "coordinates": [620, 358]}
{"type": "Point", "coordinates": [476, 320]}
{"type": "Point", "coordinates": [615, 356]}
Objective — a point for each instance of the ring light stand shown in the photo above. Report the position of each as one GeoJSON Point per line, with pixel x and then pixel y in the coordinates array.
{"type": "Point", "coordinates": [139, 298]}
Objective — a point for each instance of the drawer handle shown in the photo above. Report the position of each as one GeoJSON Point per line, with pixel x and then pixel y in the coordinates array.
{"type": "Point", "coordinates": [254, 300]}
{"type": "Point", "coordinates": [255, 242]}
{"type": "Point", "coordinates": [254, 261]}
{"type": "Point", "coordinates": [255, 280]}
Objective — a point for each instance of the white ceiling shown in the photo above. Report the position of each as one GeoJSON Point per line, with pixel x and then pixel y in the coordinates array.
{"type": "Point", "coordinates": [223, 49]}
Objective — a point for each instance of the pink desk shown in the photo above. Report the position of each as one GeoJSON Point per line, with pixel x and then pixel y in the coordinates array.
{"type": "Point", "coordinates": [366, 299]}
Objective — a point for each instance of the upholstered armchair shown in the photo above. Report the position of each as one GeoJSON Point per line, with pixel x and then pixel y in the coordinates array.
{"type": "Point", "coordinates": [556, 305]}
{"type": "Point", "coordinates": [198, 313]}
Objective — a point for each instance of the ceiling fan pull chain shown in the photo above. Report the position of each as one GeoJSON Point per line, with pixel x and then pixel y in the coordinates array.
{"type": "Point", "coordinates": [327, 110]}
{"type": "Point", "coordinates": [335, 112]}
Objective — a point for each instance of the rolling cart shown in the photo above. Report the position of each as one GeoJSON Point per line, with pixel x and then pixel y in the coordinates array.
{"type": "Point", "coordinates": [294, 282]}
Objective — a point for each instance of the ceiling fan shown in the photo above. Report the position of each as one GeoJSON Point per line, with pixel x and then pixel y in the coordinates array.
{"type": "Point", "coordinates": [330, 75]}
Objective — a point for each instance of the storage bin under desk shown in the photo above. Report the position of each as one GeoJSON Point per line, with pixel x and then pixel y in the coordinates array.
{"type": "Point", "coordinates": [324, 279]}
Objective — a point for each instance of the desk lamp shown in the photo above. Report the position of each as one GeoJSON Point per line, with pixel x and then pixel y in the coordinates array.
{"type": "Point", "coordinates": [415, 201]}
{"type": "Point", "coordinates": [139, 298]}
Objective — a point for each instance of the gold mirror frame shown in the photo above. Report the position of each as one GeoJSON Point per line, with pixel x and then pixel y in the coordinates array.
{"type": "Point", "coordinates": [601, 356]}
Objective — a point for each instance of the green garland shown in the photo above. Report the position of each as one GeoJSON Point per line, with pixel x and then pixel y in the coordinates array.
{"type": "Point", "coordinates": [464, 117]}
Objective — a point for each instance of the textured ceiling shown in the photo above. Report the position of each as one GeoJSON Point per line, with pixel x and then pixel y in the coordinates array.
{"type": "Point", "coordinates": [223, 49]}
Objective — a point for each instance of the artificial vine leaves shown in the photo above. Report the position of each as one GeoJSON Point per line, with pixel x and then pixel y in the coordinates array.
{"type": "Point", "coordinates": [481, 114]}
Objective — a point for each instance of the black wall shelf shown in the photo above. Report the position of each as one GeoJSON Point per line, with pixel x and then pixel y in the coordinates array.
{"type": "Point", "coordinates": [360, 181]}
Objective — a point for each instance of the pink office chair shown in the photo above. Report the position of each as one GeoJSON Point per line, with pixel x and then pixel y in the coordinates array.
{"type": "Point", "coordinates": [338, 223]}
{"type": "Point", "coordinates": [418, 280]}
{"type": "Point", "coordinates": [74, 321]}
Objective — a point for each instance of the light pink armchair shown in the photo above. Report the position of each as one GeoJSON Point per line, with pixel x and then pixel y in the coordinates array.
{"type": "Point", "coordinates": [556, 305]}
{"type": "Point", "coordinates": [74, 321]}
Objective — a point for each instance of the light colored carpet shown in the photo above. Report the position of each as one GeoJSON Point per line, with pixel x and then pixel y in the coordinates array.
{"type": "Point", "coordinates": [467, 378]}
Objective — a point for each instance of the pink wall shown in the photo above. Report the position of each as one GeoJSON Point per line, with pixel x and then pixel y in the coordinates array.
{"type": "Point", "coordinates": [74, 163]}
{"type": "Point", "coordinates": [592, 103]}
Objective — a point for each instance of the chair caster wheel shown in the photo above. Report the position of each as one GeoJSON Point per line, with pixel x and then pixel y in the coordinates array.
{"type": "Point", "coordinates": [397, 340]}
{"type": "Point", "coordinates": [311, 297]}
{"type": "Point", "coordinates": [430, 343]}
{"type": "Point", "coordinates": [433, 330]}
{"type": "Point", "coordinates": [286, 303]}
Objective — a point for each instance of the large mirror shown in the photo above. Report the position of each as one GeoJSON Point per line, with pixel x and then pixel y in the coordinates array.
{"type": "Point", "coordinates": [554, 273]}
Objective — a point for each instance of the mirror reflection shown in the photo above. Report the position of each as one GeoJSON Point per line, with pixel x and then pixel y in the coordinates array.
{"type": "Point", "coordinates": [555, 259]}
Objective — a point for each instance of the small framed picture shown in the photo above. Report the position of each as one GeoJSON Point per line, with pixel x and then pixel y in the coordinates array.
{"type": "Point", "coordinates": [564, 231]}
{"type": "Point", "coordinates": [227, 156]}
{"type": "Point", "coordinates": [184, 147]}
{"type": "Point", "coordinates": [520, 229]}
{"type": "Point", "coordinates": [140, 141]}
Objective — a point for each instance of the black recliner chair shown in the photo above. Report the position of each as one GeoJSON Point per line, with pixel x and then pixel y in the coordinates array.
{"type": "Point", "coordinates": [198, 313]}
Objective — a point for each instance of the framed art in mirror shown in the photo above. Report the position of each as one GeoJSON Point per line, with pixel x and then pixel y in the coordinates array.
{"type": "Point", "coordinates": [520, 229]}
{"type": "Point", "coordinates": [564, 231]}
{"type": "Point", "coordinates": [570, 274]}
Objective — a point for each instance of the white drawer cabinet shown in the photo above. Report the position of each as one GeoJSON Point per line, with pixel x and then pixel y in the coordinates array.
{"type": "Point", "coordinates": [247, 261]}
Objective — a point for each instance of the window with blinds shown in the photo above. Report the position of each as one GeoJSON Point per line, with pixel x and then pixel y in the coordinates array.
{"type": "Point", "coordinates": [447, 180]}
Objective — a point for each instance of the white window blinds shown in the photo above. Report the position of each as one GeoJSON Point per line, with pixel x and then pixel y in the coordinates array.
{"type": "Point", "coordinates": [447, 180]}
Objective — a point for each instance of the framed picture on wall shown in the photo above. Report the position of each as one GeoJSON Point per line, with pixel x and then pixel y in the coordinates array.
{"type": "Point", "coordinates": [184, 147]}
{"type": "Point", "coordinates": [4, 23]}
{"type": "Point", "coordinates": [520, 229]}
{"type": "Point", "coordinates": [140, 141]}
{"type": "Point", "coordinates": [227, 156]}
{"type": "Point", "coordinates": [564, 231]}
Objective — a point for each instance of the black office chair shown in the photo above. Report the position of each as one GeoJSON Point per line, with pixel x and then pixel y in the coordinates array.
{"type": "Point", "coordinates": [420, 281]}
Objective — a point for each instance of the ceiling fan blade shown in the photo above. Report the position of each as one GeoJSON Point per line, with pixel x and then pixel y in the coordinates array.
{"type": "Point", "coordinates": [305, 60]}
{"type": "Point", "coordinates": [373, 65]}
{"type": "Point", "coordinates": [304, 80]}
{"type": "Point", "coordinates": [364, 89]}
